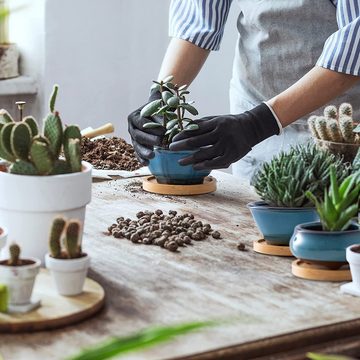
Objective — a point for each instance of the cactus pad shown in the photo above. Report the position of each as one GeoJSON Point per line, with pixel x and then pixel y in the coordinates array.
{"type": "Point", "coordinates": [70, 132]}
{"type": "Point", "coordinates": [14, 250]}
{"type": "Point", "coordinates": [53, 131]}
{"type": "Point", "coordinates": [74, 155]}
{"type": "Point", "coordinates": [5, 117]}
{"type": "Point", "coordinates": [21, 167]}
{"type": "Point", "coordinates": [61, 167]}
{"type": "Point", "coordinates": [72, 239]}
{"type": "Point", "coordinates": [20, 140]}
{"type": "Point", "coordinates": [56, 231]}
{"type": "Point", "coordinates": [32, 124]}
{"type": "Point", "coordinates": [41, 157]}
{"type": "Point", "coordinates": [53, 96]}
{"type": "Point", "coordinates": [5, 145]}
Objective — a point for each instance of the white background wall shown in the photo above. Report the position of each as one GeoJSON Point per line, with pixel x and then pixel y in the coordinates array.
{"type": "Point", "coordinates": [104, 54]}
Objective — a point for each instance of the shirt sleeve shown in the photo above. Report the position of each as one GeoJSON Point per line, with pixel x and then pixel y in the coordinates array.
{"type": "Point", "coordinates": [201, 22]}
{"type": "Point", "coordinates": [341, 51]}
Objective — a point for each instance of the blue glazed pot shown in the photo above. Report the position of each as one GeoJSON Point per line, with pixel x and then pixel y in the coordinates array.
{"type": "Point", "coordinates": [277, 224]}
{"type": "Point", "coordinates": [311, 244]}
{"type": "Point", "coordinates": [167, 170]}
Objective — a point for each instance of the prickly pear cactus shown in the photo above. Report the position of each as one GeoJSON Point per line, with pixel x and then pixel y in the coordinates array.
{"type": "Point", "coordinates": [71, 132]}
{"type": "Point", "coordinates": [71, 241]}
{"type": "Point", "coordinates": [31, 122]}
{"type": "Point", "coordinates": [14, 250]}
{"type": "Point", "coordinates": [53, 131]}
{"type": "Point", "coordinates": [21, 167]}
{"type": "Point", "coordinates": [74, 155]}
{"type": "Point", "coordinates": [41, 157]}
{"type": "Point", "coordinates": [20, 140]}
{"type": "Point", "coordinates": [56, 231]}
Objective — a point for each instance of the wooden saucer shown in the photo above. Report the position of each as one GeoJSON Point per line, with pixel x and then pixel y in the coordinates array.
{"type": "Point", "coordinates": [308, 271]}
{"type": "Point", "coordinates": [150, 184]}
{"type": "Point", "coordinates": [56, 311]}
{"type": "Point", "coordinates": [262, 247]}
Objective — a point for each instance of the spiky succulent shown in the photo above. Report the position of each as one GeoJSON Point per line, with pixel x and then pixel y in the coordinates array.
{"type": "Point", "coordinates": [15, 251]}
{"type": "Point", "coordinates": [32, 153]}
{"type": "Point", "coordinates": [171, 108]}
{"type": "Point", "coordinates": [64, 239]}
{"type": "Point", "coordinates": [284, 181]}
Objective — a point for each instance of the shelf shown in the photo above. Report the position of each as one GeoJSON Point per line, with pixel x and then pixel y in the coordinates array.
{"type": "Point", "coordinates": [22, 85]}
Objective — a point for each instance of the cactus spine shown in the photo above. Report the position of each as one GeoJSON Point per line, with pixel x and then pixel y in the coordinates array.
{"type": "Point", "coordinates": [57, 229]}
{"type": "Point", "coordinates": [32, 153]}
{"type": "Point", "coordinates": [14, 250]}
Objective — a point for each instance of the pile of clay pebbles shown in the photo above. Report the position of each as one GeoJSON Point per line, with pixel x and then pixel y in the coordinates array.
{"type": "Point", "coordinates": [168, 231]}
{"type": "Point", "coordinates": [109, 154]}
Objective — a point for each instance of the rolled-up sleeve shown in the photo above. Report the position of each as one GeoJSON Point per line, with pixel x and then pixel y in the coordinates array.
{"type": "Point", "coordinates": [341, 51]}
{"type": "Point", "coordinates": [201, 22]}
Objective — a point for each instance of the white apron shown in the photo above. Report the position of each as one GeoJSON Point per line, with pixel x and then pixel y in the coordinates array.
{"type": "Point", "coordinates": [279, 42]}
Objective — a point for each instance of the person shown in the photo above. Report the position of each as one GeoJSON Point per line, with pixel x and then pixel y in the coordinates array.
{"type": "Point", "coordinates": [291, 58]}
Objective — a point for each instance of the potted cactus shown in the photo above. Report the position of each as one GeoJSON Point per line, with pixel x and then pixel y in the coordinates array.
{"type": "Point", "coordinates": [282, 185]}
{"type": "Point", "coordinates": [170, 111]}
{"type": "Point", "coordinates": [336, 131]}
{"type": "Point", "coordinates": [325, 242]}
{"type": "Point", "coordinates": [40, 183]}
{"type": "Point", "coordinates": [66, 261]}
{"type": "Point", "coordinates": [19, 276]}
{"type": "Point", "coordinates": [9, 53]}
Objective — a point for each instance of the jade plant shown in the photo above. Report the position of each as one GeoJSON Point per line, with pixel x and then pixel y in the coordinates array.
{"type": "Point", "coordinates": [339, 204]}
{"type": "Point", "coordinates": [64, 241]}
{"type": "Point", "coordinates": [30, 152]}
{"type": "Point", "coordinates": [284, 181]}
{"type": "Point", "coordinates": [171, 109]}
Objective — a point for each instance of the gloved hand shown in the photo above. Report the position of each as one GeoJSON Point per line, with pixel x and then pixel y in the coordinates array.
{"type": "Point", "coordinates": [224, 139]}
{"type": "Point", "coordinates": [144, 140]}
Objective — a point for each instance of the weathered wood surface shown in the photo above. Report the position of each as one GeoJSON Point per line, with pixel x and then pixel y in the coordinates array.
{"type": "Point", "coordinates": [147, 285]}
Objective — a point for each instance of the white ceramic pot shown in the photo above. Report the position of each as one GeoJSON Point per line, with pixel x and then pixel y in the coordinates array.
{"type": "Point", "coordinates": [20, 281]}
{"type": "Point", "coordinates": [3, 236]}
{"type": "Point", "coordinates": [29, 204]}
{"type": "Point", "coordinates": [353, 258]}
{"type": "Point", "coordinates": [69, 274]}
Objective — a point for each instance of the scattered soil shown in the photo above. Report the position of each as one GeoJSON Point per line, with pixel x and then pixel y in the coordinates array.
{"type": "Point", "coordinates": [20, 263]}
{"type": "Point", "coordinates": [167, 231]}
{"type": "Point", "coordinates": [109, 154]}
{"type": "Point", "coordinates": [241, 247]}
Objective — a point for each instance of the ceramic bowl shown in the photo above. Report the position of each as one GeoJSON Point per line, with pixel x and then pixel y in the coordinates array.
{"type": "Point", "coordinates": [277, 224]}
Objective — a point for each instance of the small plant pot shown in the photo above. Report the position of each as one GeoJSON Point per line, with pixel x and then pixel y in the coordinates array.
{"type": "Point", "coordinates": [315, 246]}
{"type": "Point", "coordinates": [20, 280]}
{"type": "Point", "coordinates": [167, 170]}
{"type": "Point", "coordinates": [277, 224]}
{"type": "Point", "coordinates": [3, 237]}
{"type": "Point", "coordinates": [348, 151]}
{"type": "Point", "coordinates": [69, 274]}
{"type": "Point", "coordinates": [29, 204]}
{"type": "Point", "coordinates": [9, 61]}
{"type": "Point", "coordinates": [353, 258]}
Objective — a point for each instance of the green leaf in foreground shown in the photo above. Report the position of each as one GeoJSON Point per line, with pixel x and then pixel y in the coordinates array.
{"type": "Point", "coordinates": [147, 338]}
{"type": "Point", "coordinates": [314, 356]}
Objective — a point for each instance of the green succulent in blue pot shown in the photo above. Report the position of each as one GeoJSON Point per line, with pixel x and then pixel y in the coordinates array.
{"type": "Point", "coordinates": [172, 113]}
{"type": "Point", "coordinates": [282, 184]}
{"type": "Point", "coordinates": [325, 242]}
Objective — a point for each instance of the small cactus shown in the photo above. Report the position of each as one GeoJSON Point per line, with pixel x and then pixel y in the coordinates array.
{"type": "Point", "coordinates": [330, 112]}
{"type": "Point", "coordinates": [74, 155]}
{"type": "Point", "coordinates": [41, 157]}
{"type": "Point", "coordinates": [345, 109]}
{"type": "Point", "coordinates": [57, 229]}
{"type": "Point", "coordinates": [321, 128]}
{"type": "Point", "coordinates": [20, 140]}
{"type": "Point", "coordinates": [53, 131]}
{"type": "Point", "coordinates": [14, 250]}
{"type": "Point", "coordinates": [31, 122]}
{"type": "Point", "coordinates": [334, 131]}
{"type": "Point", "coordinates": [68, 234]}
{"type": "Point", "coordinates": [312, 127]}
{"type": "Point", "coordinates": [346, 127]}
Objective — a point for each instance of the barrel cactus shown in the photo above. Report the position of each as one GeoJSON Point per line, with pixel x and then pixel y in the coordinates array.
{"type": "Point", "coordinates": [30, 152]}
{"type": "Point", "coordinates": [64, 239]}
{"type": "Point", "coordinates": [284, 181]}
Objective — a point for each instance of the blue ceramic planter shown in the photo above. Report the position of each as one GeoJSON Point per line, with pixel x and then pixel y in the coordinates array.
{"type": "Point", "coordinates": [167, 170]}
{"type": "Point", "coordinates": [310, 243]}
{"type": "Point", "coordinates": [277, 224]}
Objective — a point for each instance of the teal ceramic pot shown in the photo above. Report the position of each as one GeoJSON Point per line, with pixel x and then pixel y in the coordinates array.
{"type": "Point", "coordinates": [167, 170]}
{"type": "Point", "coordinates": [311, 244]}
{"type": "Point", "coordinates": [277, 224]}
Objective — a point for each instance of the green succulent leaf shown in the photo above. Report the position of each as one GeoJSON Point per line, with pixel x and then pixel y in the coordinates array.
{"type": "Point", "coordinates": [168, 79]}
{"type": "Point", "coordinates": [166, 95]}
{"type": "Point", "coordinates": [20, 140]}
{"type": "Point", "coordinates": [30, 120]}
{"type": "Point", "coordinates": [41, 157]}
{"type": "Point", "coordinates": [357, 129]}
{"type": "Point", "coordinates": [53, 131]}
{"type": "Point", "coordinates": [53, 98]}
{"type": "Point", "coordinates": [152, 125]}
{"type": "Point", "coordinates": [21, 167]}
{"type": "Point", "coordinates": [155, 87]}
{"type": "Point", "coordinates": [5, 117]}
{"type": "Point", "coordinates": [171, 124]}
{"type": "Point", "coordinates": [183, 87]}
{"type": "Point", "coordinates": [173, 102]}
{"type": "Point", "coordinates": [192, 127]}
{"type": "Point", "coordinates": [151, 108]}
{"type": "Point", "coordinates": [170, 115]}
{"type": "Point", "coordinates": [190, 109]}
{"type": "Point", "coordinates": [5, 142]}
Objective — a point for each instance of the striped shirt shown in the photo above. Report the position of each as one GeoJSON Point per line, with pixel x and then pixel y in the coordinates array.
{"type": "Point", "coordinates": [202, 22]}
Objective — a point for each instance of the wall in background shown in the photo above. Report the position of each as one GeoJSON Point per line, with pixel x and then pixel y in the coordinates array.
{"type": "Point", "coordinates": [104, 54]}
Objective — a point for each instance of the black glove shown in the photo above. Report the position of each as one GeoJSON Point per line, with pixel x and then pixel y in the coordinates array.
{"type": "Point", "coordinates": [224, 139]}
{"type": "Point", "coordinates": [144, 140]}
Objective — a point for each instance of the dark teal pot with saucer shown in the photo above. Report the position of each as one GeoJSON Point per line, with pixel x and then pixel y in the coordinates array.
{"type": "Point", "coordinates": [277, 224]}
{"type": "Point", "coordinates": [167, 170]}
{"type": "Point", "coordinates": [313, 245]}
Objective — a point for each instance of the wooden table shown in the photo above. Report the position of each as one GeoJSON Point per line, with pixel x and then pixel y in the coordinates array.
{"type": "Point", "coordinates": [147, 285]}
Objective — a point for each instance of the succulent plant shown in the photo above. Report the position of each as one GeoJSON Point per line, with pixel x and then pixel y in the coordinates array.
{"type": "Point", "coordinates": [340, 203]}
{"type": "Point", "coordinates": [66, 233]}
{"type": "Point", "coordinates": [14, 250]}
{"type": "Point", "coordinates": [171, 108]}
{"type": "Point", "coordinates": [32, 153]}
{"type": "Point", "coordinates": [284, 181]}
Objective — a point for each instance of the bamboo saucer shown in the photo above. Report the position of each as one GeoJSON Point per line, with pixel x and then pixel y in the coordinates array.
{"type": "Point", "coordinates": [317, 272]}
{"type": "Point", "coordinates": [262, 247]}
{"type": "Point", "coordinates": [150, 184]}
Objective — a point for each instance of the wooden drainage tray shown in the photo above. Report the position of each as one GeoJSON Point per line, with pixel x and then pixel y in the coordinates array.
{"type": "Point", "coordinates": [55, 311]}
{"type": "Point", "coordinates": [262, 247]}
{"type": "Point", "coordinates": [151, 185]}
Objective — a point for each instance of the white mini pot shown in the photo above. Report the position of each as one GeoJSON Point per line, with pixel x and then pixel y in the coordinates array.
{"type": "Point", "coordinates": [353, 258]}
{"type": "Point", "coordinates": [69, 274]}
{"type": "Point", "coordinates": [3, 236]}
{"type": "Point", "coordinates": [29, 204]}
{"type": "Point", "coordinates": [20, 281]}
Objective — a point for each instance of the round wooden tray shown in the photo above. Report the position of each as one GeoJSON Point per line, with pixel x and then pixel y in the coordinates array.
{"type": "Point", "coordinates": [151, 185]}
{"type": "Point", "coordinates": [262, 247]}
{"type": "Point", "coordinates": [307, 271]}
{"type": "Point", "coordinates": [56, 311]}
